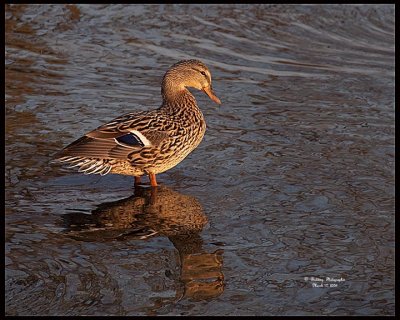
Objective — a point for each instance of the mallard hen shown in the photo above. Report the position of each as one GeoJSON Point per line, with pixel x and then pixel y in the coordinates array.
{"type": "Point", "coordinates": [149, 142]}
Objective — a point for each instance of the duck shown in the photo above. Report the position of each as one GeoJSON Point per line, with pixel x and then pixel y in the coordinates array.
{"type": "Point", "coordinates": [147, 142]}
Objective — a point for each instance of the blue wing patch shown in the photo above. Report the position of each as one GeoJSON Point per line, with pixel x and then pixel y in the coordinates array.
{"type": "Point", "coordinates": [130, 140]}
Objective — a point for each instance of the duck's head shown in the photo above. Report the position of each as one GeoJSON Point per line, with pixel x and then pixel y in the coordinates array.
{"type": "Point", "coordinates": [188, 73]}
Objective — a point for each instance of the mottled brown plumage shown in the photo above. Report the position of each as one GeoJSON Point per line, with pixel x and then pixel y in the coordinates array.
{"type": "Point", "coordinates": [148, 142]}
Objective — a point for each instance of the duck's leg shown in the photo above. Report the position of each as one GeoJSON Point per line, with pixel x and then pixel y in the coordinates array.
{"type": "Point", "coordinates": [153, 180]}
{"type": "Point", "coordinates": [137, 181]}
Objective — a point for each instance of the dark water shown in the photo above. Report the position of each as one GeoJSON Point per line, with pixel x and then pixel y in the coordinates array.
{"type": "Point", "coordinates": [293, 183]}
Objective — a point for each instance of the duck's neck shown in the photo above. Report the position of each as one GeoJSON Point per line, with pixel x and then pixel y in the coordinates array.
{"type": "Point", "coordinates": [177, 101]}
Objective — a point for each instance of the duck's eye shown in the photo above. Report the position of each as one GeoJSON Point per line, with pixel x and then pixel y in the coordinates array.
{"type": "Point", "coordinates": [203, 73]}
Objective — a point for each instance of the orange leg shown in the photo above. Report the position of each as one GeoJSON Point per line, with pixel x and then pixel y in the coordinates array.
{"type": "Point", "coordinates": [137, 180]}
{"type": "Point", "coordinates": [153, 180]}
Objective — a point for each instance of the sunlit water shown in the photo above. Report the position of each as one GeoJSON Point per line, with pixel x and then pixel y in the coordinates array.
{"type": "Point", "coordinates": [293, 182]}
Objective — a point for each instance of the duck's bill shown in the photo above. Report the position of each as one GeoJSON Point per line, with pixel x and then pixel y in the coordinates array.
{"type": "Point", "coordinates": [211, 95]}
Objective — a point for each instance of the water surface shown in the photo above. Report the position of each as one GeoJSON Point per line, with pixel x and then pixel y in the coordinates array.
{"type": "Point", "coordinates": [292, 184]}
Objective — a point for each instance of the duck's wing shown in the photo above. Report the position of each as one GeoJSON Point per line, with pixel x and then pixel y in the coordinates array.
{"type": "Point", "coordinates": [119, 137]}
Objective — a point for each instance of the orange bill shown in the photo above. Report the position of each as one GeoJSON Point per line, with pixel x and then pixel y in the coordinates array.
{"type": "Point", "coordinates": [211, 95]}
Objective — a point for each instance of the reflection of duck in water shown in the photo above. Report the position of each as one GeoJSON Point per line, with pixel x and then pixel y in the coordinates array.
{"type": "Point", "coordinates": [162, 212]}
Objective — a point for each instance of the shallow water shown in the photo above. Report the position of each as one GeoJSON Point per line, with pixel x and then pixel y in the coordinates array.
{"type": "Point", "coordinates": [292, 184]}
